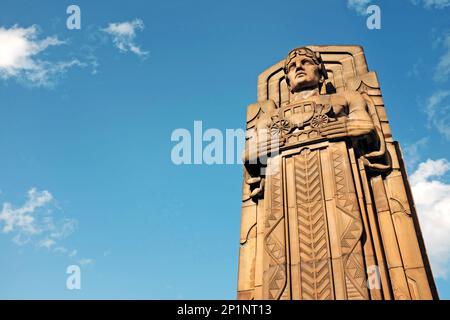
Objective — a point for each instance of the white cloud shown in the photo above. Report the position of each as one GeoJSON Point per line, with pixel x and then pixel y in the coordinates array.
{"type": "Point", "coordinates": [33, 223]}
{"type": "Point", "coordinates": [22, 219]}
{"type": "Point", "coordinates": [428, 169]}
{"type": "Point", "coordinates": [46, 243]}
{"type": "Point", "coordinates": [432, 199]}
{"type": "Point", "coordinates": [360, 6]}
{"type": "Point", "coordinates": [65, 228]}
{"type": "Point", "coordinates": [412, 151]}
{"type": "Point", "coordinates": [123, 35]}
{"type": "Point", "coordinates": [433, 4]}
{"type": "Point", "coordinates": [438, 112]}
{"type": "Point", "coordinates": [20, 240]}
{"type": "Point", "coordinates": [20, 49]}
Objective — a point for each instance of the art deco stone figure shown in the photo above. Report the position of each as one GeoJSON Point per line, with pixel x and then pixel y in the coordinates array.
{"type": "Point", "coordinates": [327, 210]}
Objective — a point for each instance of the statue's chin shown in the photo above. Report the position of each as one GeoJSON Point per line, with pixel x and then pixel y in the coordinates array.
{"type": "Point", "coordinates": [304, 87]}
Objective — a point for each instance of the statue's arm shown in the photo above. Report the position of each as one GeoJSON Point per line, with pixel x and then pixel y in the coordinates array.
{"type": "Point", "coordinates": [356, 123]}
{"type": "Point", "coordinates": [359, 122]}
{"type": "Point", "coordinates": [257, 145]}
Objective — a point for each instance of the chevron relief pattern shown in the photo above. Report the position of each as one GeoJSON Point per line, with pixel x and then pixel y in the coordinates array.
{"type": "Point", "coordinates": [315, 270]}
{"type": "Point", "coordinates": [276, 212]}
{"type": "Point", "coordinates": [356, 278]}
{"type": "Point", "coordinates": [275, 245]}
{"type": "Point", "coordinates": [355, 273]}
{"type": "Point", "coordinates": [347, 203]}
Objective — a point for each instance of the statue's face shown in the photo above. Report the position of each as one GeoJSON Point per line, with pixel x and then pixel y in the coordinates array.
{"type": "Point", "coordinates": [302, 73]}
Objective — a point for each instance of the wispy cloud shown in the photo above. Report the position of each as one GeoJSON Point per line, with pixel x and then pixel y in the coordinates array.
{"type": "Point", "coordinates": [413, 152]}
{"type": "Point", "coordinates": [85, 262]}
{"type": "Point", "coordinates": [360, 6]}
{"type": "Point", "coordinates": [438, 112]}
{"type": "Point", "coordinates": [416, 69]}
{"type": "Point", "coordinates": [432, 4]}
{"type": "Point", "coordinates": [22, 219]}
{"type": "Point", "coordinates": [33, 223]}
{"type": "Point", "coordinates": [20, 57]}
{"type": "Point", "coordinates": [73, 253]}
{"type": "Point", "coordinates": [442, 70]}
{"type": "Point", "coordinates": [123, 36]}
{"type": "Point", "coordinates": [432, 199]}
{"type": "Point", "coordinates": [62, 250]}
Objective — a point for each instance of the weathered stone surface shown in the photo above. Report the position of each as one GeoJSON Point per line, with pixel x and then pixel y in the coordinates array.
{"type": "Point", "coordinates": [327, 211]}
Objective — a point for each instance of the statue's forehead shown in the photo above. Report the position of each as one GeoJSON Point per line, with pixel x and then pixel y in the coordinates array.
{"type": "Point", "coordinates": [299, 56]}
{"type": "Point", "coordinates": [300, 53]}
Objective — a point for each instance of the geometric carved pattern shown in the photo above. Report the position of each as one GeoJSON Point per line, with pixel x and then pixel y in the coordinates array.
{"type": "Point", "coordinates": [355, 279]}
{"type": "Point", "coordinates": [316, 282]}
{"type": "Point", "coordinates": [347, 203]}
{"type": "Point", "coordinates": [275, 242]}
{"type": "Point", "coordinates": [347, 71]}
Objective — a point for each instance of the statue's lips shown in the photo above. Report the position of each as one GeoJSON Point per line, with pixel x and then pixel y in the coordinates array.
{"type": "Point", "coordinates": [301, 74]}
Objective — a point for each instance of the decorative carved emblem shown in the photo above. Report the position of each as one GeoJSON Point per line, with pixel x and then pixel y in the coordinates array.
{"type": "Point", "coordinates": [319, 120]}
{"type": "Point", "coordinates": [280, 127]}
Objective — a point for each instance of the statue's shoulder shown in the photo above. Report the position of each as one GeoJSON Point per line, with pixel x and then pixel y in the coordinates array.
{"type": "Point", "coordinates": [255, 110]}
{"type": "Point", "coordinates": [345, 96]}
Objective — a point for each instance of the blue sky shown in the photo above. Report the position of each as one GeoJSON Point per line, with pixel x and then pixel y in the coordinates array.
{"type": "Point", "coordinates": [87, 116]}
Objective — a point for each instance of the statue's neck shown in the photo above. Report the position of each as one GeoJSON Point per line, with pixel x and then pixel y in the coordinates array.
{"type": "Point", "coordinates": [304, 94]}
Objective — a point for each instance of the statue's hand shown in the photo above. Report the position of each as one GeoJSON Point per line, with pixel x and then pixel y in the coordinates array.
{"type": "Point", "coordinates": [347, 128]}
{"type": "Point", "coordinates": [260, 151]}
{"type": "Point", "coordinates": [335, 129]}
{"type": "Point", "coordinates": [257, 186]}
{"type": "Point", "coordinates": [359, 127]}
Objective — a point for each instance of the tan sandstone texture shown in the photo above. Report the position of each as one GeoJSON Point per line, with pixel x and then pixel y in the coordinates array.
{"type": "Point", "coordinates": [327, 210]}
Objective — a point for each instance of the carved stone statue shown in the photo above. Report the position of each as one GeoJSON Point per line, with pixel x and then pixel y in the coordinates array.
{"type": "Point", "coordinates": [327, 210]}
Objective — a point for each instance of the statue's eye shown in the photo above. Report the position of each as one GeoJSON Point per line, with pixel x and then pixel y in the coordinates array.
{"type": "Point", "coordinates": [292, 66]}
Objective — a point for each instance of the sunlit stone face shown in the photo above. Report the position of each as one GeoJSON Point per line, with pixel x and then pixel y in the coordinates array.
{"type": "Point", "coordinates": [303, 73]}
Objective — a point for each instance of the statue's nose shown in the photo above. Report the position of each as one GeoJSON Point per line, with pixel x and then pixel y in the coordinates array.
{"type": "Point", "coordinates": [299, 65]}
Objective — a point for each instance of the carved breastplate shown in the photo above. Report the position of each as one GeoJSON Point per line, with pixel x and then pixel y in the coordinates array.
{"type": "Point", "coordinates": [300, 122]}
